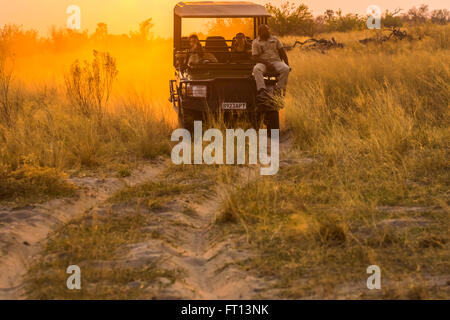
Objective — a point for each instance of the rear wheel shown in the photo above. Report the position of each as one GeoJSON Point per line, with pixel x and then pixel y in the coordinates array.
{"type": "Point", "coordinates": [272, 120]}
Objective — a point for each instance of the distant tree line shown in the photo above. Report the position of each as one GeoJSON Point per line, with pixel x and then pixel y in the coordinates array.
{"type": "Point", "coordinates": [63, 39]}
{"type": "Point", "coordinates": [297, 19]}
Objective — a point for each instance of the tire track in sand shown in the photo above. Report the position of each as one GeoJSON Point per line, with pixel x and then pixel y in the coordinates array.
{"type": "Point", "coordinates": [23, 230]}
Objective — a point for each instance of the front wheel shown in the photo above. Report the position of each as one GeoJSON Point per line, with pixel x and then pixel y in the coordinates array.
{"type": "Point", "coordinates": [187, 118]}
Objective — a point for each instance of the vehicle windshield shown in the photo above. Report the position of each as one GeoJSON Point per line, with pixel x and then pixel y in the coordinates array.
{"type": "Point", "coordinates": [213, 27]}
{"type": "Point", "coordinates": [216, 40]}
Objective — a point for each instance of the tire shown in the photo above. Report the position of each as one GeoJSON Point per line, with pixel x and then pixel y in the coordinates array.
{"type": "Point", "coordinates": [187, 118]}
{"type": "Point", "coordinates": [272, 120]}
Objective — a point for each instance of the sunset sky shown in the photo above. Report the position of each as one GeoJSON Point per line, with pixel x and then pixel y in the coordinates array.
{"type": "Point", "coordinates": [125, 15]}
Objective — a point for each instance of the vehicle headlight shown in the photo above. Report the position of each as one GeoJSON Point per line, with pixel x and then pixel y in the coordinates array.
{"type": "Point", "coordinates": [197, 91]}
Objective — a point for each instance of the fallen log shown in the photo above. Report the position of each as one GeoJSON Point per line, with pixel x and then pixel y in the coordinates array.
{"type": "Point", "coordinates": [321, 45]}
{"type": "Point", "coordinates": [395, 34]}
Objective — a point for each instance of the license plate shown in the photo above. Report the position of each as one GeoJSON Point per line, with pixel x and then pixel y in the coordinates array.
{"type": "Point", "coordinates": [234, 105]}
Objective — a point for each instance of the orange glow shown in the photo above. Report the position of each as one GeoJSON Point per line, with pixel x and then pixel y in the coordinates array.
{"type": "Point", "coordinates": [144, 66]}
{"type": "Point", "coordinates": [227, 28]}
{"type": "Point", "coordinates": [124, 15]}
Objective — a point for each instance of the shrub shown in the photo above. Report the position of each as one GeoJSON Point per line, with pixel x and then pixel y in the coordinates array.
{"type": "Point", "coordinates": [418, 15]}
{"type": "Point", "coordinates": [391, 19]}
{"type": "Point", "coordinates": [336, 21]}
{"type": "Point", "coordinates": [441, 16]}
{"type": "Point", "coordinates": [291, 19]}
{"type": "Point", "coordinates": [89, 85]}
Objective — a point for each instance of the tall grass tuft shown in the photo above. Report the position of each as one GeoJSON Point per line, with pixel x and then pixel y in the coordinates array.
{"type": "Point", "coordinates": [32, 182]}
{"type": "Point", "coordinates": [10, 102]}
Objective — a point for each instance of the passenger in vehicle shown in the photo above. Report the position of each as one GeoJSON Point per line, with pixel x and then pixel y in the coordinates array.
{"type": "Point", "coordinates": [241, 48]}
{"type": "Point", "coordinates": [197, 54]}
{"type": "Point", "coordinates": [241, 44]}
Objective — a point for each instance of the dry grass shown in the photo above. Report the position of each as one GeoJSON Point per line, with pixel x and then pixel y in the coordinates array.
{"type": "Point", "coordinates": [78, 130]}
{"type": "Point", "coordinates": [94, 242]}
{"type": "Point", "coordinates": [99, 242]}
{"type": "Point", "coordinates": [374, 124]}
{"type": "Point", "coordinates": [32, 183]}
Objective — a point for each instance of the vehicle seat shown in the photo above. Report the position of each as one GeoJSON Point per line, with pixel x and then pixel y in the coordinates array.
{"type": "Point", "coordinates": [217, 45]}
{"type": "Point", "coordinates": [184, 43]}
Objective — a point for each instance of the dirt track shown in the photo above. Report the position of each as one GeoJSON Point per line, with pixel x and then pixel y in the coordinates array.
{"type": "Point", "coordinates": [24, 230]}
{"type": "Point", "coordinates": [187, 241]}
{"type": "Point", "coordinates": [206, 261]}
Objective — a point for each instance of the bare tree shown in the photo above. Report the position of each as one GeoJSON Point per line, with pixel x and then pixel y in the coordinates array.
{"type": "Point", "coordinates": [441, 16]}
{"type": "Point", "coordinates": [392, 19]}
{"type": "Point", "coordinates": [418, 15]}
{"type": "Point", "coordinates": [101, 33]}
{"type": "Point", "coordinates": [144, 32]}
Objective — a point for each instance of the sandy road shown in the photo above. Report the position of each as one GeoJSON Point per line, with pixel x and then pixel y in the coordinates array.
{"type": "Point", "coordinates": [188, 242]}
{"type": "Point", "coordinates": [24, 230]}
{"type": "Point", "coordinates": [208, 260]}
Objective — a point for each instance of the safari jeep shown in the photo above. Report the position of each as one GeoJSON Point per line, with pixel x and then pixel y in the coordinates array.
{"type": "Point", "coordinates": [225, 86]}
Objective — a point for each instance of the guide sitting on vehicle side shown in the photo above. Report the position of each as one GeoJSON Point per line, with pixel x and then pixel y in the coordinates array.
{"type": "Point", "coordinates": [269, 53]}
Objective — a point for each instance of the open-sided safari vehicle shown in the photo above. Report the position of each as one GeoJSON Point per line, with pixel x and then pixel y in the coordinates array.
{"type": "Point", "coordinates": [223, 85]}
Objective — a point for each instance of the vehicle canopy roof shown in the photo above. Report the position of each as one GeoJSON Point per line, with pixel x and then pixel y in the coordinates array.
{"type": "Point", "coordinates": [221, 9]}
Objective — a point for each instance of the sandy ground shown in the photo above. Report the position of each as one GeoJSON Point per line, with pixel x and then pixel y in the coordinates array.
{"type": "Point", "coordinates": [24, 230]}
{"type": "Point", "coordinates": [187, 242]}
{"type": "Point", "coordinates": [208, 263]}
